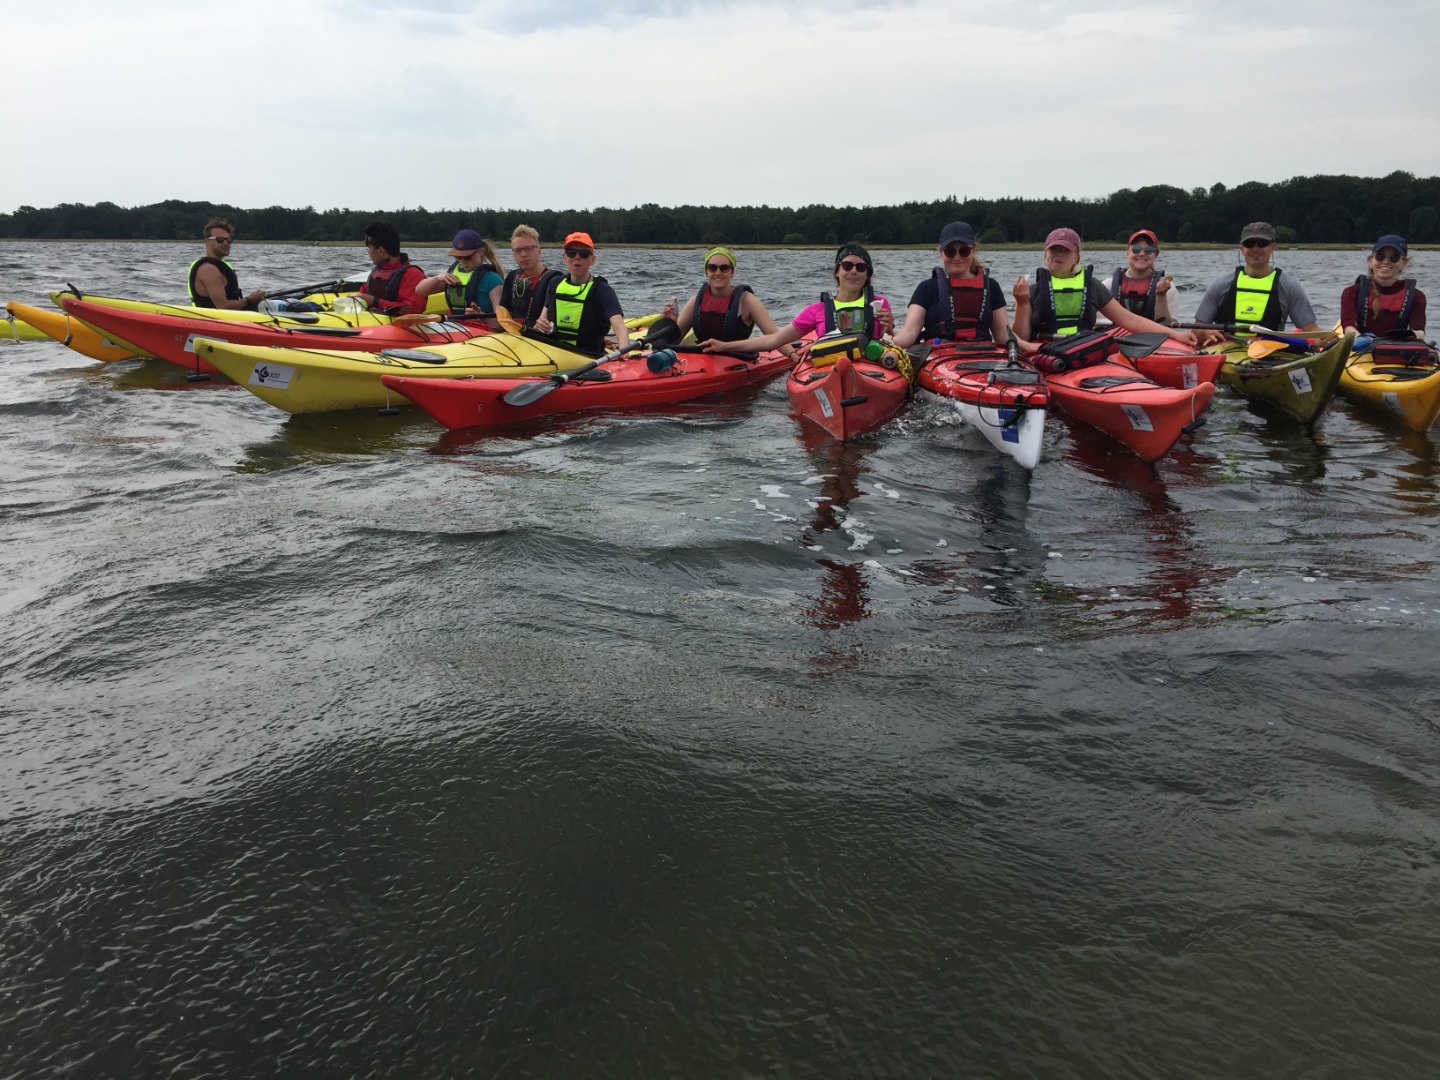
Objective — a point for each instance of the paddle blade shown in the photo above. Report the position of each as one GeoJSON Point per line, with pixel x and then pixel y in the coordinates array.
{"type": "Point", "coordinates": [531, 392]}
{"type": "Point", "coordinates": [663, 332]}
{"type": "Point", "coordinates": [506, 320]}
{"type": "Point", "coordinates": [1134, 346]}
{"type": "Point", "coordinates": [1263, 347]}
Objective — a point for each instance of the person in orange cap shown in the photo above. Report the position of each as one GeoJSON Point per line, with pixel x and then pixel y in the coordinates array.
{"type": "Point", "coordinates": [1137, 285]}
{"type": "Point", "coordinates": [580, 308]}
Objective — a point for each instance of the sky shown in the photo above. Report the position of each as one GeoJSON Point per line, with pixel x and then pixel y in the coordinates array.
{"type": "Point", "coordinates": [539, 104]}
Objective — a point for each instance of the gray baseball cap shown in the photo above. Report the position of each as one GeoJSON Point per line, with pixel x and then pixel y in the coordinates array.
{"type": "Point", "coordinates": [1258, 230]}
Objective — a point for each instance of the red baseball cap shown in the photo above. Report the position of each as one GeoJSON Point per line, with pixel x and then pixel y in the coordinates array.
{"type": "Point", "coordinates": [1144, 232]}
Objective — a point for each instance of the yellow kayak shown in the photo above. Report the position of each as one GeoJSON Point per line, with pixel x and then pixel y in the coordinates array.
{"type": "Point", "coordinates": [15, 328]}
{"type": "Point", "coordinates": [343, 318]}
{"type": "Point", "coordinates": [319, 380]}
{"type": "Point", "coordinates": [72, 332]}
{"type": "Point", "coordinates": [1405, 384]}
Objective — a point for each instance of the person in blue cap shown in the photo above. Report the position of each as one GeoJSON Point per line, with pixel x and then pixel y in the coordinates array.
{"type": "Point", "coordinates": [472, 284]}
{"type": "Point", "coordinates": [1383, 301]}
{"type": "Point", "coordinates": [959, 301]}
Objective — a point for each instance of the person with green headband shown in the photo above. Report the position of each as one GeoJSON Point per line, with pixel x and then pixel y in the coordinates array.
{"type": "Point", "coordinates": [723, 310]}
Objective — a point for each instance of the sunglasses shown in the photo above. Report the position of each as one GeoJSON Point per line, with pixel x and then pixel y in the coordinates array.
{"type": "Point", "coordinates": [1144, 249]}
{"type": "Point", "coordinates": [220, 239]}
{"type": "Point", "coordinates": [578, 252]}
{"type": "Point", "coordinates": [1389, 255]}
{"type": "Point", "coordinates": [852, 267]}
{"type": "Point", "coordinates": [718, 268]}
{"type": "Point", "coordinates": [958, 251]}
{"type": "Point", "coordinates": [1253, 244]}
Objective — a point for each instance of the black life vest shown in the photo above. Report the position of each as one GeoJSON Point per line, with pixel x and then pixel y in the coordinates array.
{"type": "Point", "coordinates": [843, 318]}
{"type": "Point", "coordinates": [960, 312]}
{"type": "Point", "coordinates": [724, 325]}
{"type": "Point", "coordinates": [524, 300]}
{"type": "Point", "coordinates": [1043, 320]}
{"type": "Point", "coordinates": [232, 282]}
{"type": "Point", "coordinates": [1384, 302]}
{"type": "Point", "coordinates": [1135, 295]}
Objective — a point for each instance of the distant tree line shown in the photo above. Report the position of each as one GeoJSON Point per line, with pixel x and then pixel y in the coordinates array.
{"type": "Point", "coordinates": [1304, 209]}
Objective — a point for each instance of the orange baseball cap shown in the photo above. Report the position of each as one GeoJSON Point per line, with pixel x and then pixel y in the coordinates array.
{"type": "Point", "coordinates": [580, 238]}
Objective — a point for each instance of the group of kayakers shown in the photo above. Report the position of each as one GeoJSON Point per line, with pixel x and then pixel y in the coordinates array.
{"type": "Point", "coordinates": [958, 301]}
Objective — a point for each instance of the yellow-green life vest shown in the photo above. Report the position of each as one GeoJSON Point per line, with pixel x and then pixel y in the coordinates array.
{"type": "Point", "coordinates": [569, 308]}
{"type": "Point", "coordinates": [1253, 296]}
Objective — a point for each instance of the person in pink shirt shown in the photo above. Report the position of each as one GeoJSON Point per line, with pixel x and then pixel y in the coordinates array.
{"type": "Point", "coordinates": [852, 309]}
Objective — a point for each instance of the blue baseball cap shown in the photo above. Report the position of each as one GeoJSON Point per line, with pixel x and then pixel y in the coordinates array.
{"type": "Point", "coordinates": [1390, 240]}
{"type": "Point", "coordinates": [957, 232]}
{"type": "Point", "coordinates": [466, 241]}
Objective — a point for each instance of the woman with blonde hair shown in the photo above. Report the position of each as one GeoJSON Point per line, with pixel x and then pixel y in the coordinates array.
{"type": "Point", "coordinates": [1381, 301]}
{"type": "Point", "coordinates": [959, 301]}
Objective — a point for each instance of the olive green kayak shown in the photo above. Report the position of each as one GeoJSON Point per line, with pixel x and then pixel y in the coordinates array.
{"type": "Point", "coordinates": [1298, 383]}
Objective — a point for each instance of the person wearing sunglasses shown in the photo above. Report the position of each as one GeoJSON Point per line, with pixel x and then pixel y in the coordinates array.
{"type": "Point", "coordinates": [390, 288]}
{"type": "Point", "coordinates": [959, 301]}
{"type": "Point", "coordinates": [1067, 299]}
{"type": "Point", "coordinates": [853, 309]}
{"type": "Point", "coordinates": [1256, 292]}
{"type": "Point", "coordinates": [1381, 301]}
{"type": "Point", "coordinates": [472, 284]}
{"type": "Point", "coordinates": [580, 308]}
{"type": "Point", "coordinates": [723, 310]}
{"type": "Point", "coordinates": [530, 279]}
{"type": "Point", "coordinates": [1137, 285]}
{"type": "Point", "coordinates": [212, 280]}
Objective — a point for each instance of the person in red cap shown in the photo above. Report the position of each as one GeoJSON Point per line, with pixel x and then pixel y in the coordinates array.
{"type": "Point", "coordinates": [390, 288]}
{"type": "Point", "coordinates": [472, 284]}
{"type": "Point", "coordinates": [1384, 301]}
{"type": "Point", "coordinates": [1138, 285]}
{"type": "Point", "coordinates": [580, 308]}
{"type": "Point", "coordinates": [1068, 298]}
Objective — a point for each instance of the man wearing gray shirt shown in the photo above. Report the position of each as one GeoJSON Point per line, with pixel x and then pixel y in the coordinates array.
{"type": "Point", "coordinates": [1256, 292]}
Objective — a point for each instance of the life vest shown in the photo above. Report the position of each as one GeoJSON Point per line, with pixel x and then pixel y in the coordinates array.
{"type": "Point", "coordinates": [850, 316]}
{"type": "Point", "coordinates": [578, 322]}
{"type": "Point", "coordinates": [721, 323]}
{"type": "Point", "coordinates": [1400, 302]}
{"type": "Point", "coordinates": [1063, 305]}
{"type": "Point", "coordinates": [461, 296]}
{"type": "Point", "coordinates": [524, 300]}
{"type": "Point", "coordinates": [961, 311]}
{"type": "Point", "coordinates": [384, 281]}
{"type": "Point", "coordinates": [1254, 300]}
{"type": "Point", "coordinates": [232, 282]}
{"type": "Point", "coordinates": [1136, 294]}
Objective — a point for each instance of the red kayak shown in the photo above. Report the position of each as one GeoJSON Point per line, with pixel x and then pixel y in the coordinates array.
{"type": "Point", "coordinates": [171, 337]}
{"type": "Point", "coordinates": [1165, 360]}
{"type": "Point", "coordinates": [1006, 400]}
{"type": "Point", "coordinates": [837, 386]}
{"type": "Point", "coordinates": [617, 384]}
{"type": "Point", "coordinates": [1147, 417]}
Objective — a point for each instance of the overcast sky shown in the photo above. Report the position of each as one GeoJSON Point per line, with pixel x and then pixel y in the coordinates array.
{"type": "Point", "coordinates": [543, 104]}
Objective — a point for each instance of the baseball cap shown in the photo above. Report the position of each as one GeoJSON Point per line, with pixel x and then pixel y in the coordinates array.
{"type": "Point", "coordinates": [466, 241]}
{"type": "Point", "coordinates": [1064, 238]}
{"type": "Point", "coordinates": [1146, 233]}
{"type": "Point", "coordinates": [579, 238]}
{"type": "Point", "coordinates": [957, 232]}
{"type": "Point", "coordinates": [1258, 230]}
{"type": "Point", "coordinates": [1390, 240]}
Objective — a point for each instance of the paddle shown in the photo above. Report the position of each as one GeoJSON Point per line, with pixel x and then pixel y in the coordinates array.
{"type": "Point", "coordinates": [662, 332]}
{"type": "Point", "coordinates": [1134, 346]}
{"type": "Point", "coordinates": [507, 322]}
{"type": "Point", "coordinates": [324, 286]}
{"type": "Point", "coordinates": [1252, 328]}
{"type": "Point", "coordinates": [1263, 347]}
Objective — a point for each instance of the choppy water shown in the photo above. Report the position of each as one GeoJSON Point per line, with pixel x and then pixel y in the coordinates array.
{"type": "Point", "coordinates": [689, 744]}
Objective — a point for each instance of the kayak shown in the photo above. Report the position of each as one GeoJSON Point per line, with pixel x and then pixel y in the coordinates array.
{"type": "Point", "coordinates": [839, 385]}
{"type": "Point", "coordinates": [1293, 379]}
{"type": "Point", "coordinates": [350, 317]}
{"type": "Point", "coordinates": [1006, 401]}
{"type": "Point", "coordinates": [618, 384]}
{"type": "Point", "coordinates": [1147, 417]}
{"type": "Point", "coordinates": [71, 332]}
{"type": "Point", "coordinates": [171, 337]}
{"type": "Point", "coordinates": [15, 328]}
{"type": "Point", "coordinates": [1165, 360]}
{"type": "Point", "coordinates": [1402, 380]}
{"type": "Point", "coordinates": [319, 380]}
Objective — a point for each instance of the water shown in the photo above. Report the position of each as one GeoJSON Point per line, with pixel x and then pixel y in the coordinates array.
{"type": "Point", "coordinates": [690, 744]}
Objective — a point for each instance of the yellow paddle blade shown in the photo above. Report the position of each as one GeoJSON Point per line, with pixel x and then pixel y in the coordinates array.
{"type": "Point", "coordinates": [507, 323]}
{"type": "Point", "coordinates": [1263, 347]}
{"type": "Point", "coordinates": [412, 320]}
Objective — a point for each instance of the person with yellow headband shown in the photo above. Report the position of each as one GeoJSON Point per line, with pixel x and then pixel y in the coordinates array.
{"type": "Point", "coordinates": [723, 310]}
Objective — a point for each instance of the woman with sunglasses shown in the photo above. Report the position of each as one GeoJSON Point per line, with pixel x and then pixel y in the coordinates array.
{"type": "Point", "coordinates": [1255, 292]}
{"type": "Point", "coordinates": [1067, 299]}
{"type": "Point", "coordinates": [723, 310]}
{"type": "Point", "coordinates": [1382, 302]}
{"type": "Point", "coordinates": [959, 301]}
{"type": "Point", "coordinates": [579, 308]}
{"type": "Point", "coordinates": [1137, 285]}
{"type": "Point", "coordinates": [853, 309]}
{"type": "Point", "coordinates": [472, 284]}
